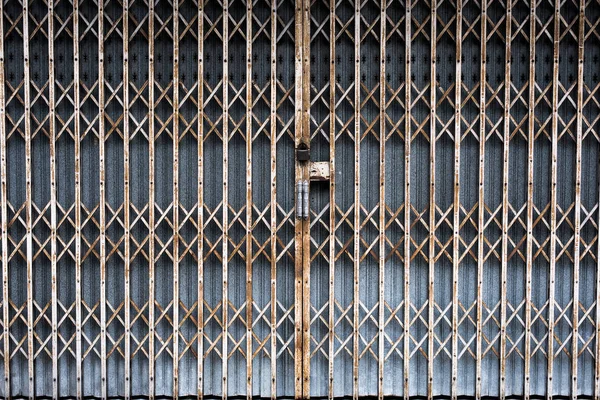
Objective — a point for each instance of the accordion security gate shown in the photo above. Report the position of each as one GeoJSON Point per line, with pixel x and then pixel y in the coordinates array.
{"type": "Point", "coordinates": [149, 240]}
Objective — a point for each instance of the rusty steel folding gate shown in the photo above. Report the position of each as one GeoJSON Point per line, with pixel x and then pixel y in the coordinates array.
{"type": "Point", "coordinates": [158, 234]}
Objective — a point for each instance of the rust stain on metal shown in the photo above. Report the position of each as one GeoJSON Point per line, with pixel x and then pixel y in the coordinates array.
{"type": "Point", "coordinates": [175, 205]}
{"type": "Point", "coordinates": [53, 222]}
{"type": "Point", "coordinates": [576, 353]}
{"type": "Point", "coordinates": [356, 212]}
{"type": "Point", "coordinates": [249, 204]}
{"type": "Point", "coordinates": [151, 203]}
{"type": "Point", "coordinates": [530, 205]}
{"type": "Point", "coordinates": [77, 195]}
{"type": "Point", "coordinates": [4, 214]}
{"type": "Point", "coordinates": [102, 193]}
{"type": "Point", "coordinates": [28, 201]}
{"type": "Point", "coordinates": [225, 205]}
{"type": "Point", "coordinates": [505, 205]}
{"type": "Point", "coordinates": [303, 174]}
{"type": "Point", "coordinates": [299, 324]}
{"type": "Point", "coordinates": [319, 170]}
{"type": "Point", "coordinates": [126, 203]}
{"type": "Point", "coordinates": [456, 203]}
{"type": "Point", "coordinates": [330, 172]}
{"type": "Point", "coordinates": [349, 255]}
{"type": "Point", "coordinates": [481, 195]}
{"type": "Point", "coordinates": [273, 200]}
{"type": "Point", "coordinates": [432, 204]}
{"type": "Point", "coordinates": [553, 200]}
{"type": "Point", "coordinates": [408, 87]}
{"type": "Point", "coordinates": [381, 205]}
{"type": "Point", "coordinates": [200, 204]}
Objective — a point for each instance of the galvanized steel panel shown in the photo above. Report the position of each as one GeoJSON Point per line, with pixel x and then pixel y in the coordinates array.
{"type": "Point", "coordinates": [447, 254]}
{"type": "Point", "coordinates": [151, 243]}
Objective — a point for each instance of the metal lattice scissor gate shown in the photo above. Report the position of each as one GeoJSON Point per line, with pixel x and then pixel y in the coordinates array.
{"type": "Point", "coordinates": [159, 239]}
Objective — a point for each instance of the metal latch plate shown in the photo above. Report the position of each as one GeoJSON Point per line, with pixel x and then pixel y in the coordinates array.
{"type": "Point", "coordinates": [319, 171]}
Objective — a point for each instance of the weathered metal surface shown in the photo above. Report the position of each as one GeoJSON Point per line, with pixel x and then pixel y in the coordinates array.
{"type": "Point", "coordinates": [484, 190]}
{"type": "Point", "coordinates": [150, 186]}
{"type": "Point", "coordinates": [319, 171]}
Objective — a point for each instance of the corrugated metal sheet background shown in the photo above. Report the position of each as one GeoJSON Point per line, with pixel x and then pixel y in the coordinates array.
{"type": "Point", "coordinates": [148, 162]}
{"type": "Point", "coordinates": [500, 295]}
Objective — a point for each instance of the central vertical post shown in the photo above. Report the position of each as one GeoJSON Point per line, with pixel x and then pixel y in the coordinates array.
{"type": "Point", "coordinates": [302, 230]}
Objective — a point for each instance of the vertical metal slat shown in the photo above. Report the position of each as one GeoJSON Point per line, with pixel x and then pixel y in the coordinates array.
{"type": "Point", "coordinates": [481, 194]}
{"type": "Point", "coordinates": [53, 249]}
{"type": "Point", "coordinates": [77, 160]}
{"type": "Point", "coordinates": [249, 206]}
{"type": "Point", "coordinates": [4, 214]}
{"type": "Point", "coordinates": [432, 205]}
{"type": "Point", "coordinates": [332, 134]}
{"type": "Point", "coordinates": [151, 206]}
{"type": "Point", "coordinates": [531, 341]}
{"type": "Point", "coordinates": [505, 205]}
{"type": "Point", "coordinates": [200, 205]}
{"type": "Point", "coordinates": [553, 201]}
{"type": "Point", "coordinates": [301, 378]}
{"type": "Point", "coordinates": [28, 207]}
{"type": "Point", "coordinates": [597, 297]}
{"type": "Point", "coordinates": [225, 203]}
{"type": "Point", "coordinates": [126, 203]}
{"type": "Point", "coordinates": [102, 190]}
{"type": "Point", "coordinates": [175, 198]}
{"type": "Point", "coordinates": [273, 203]}
{"type": "Point", "coordinates": [356, 219]}
{"type": "Point", "coordinates": [530, 167]}
{"type": "Point", "coordinates": [407, 206]}
{"type": "Point", "coordinates": [577, 234]}
{"type": "Point", "coordinates": [382, 138]}
{"type": "Point", "coordinates": [302, 173]}
{"type": "Point", "coordinates": [456, 202]}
